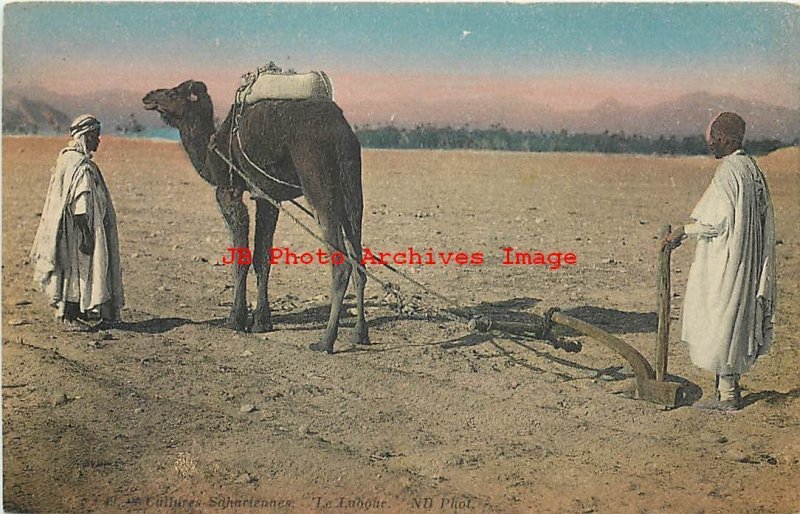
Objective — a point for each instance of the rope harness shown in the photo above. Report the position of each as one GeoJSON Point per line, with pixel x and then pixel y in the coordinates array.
{"type": "Point", "coordinates": [241, 101]}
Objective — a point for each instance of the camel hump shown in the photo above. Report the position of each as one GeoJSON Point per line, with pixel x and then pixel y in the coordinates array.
{"type": "Point", "coordinates": [283, 115]}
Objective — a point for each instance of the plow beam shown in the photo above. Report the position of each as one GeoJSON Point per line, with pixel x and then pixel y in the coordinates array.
{"type": "Point", "coordinates": [651, 384]}
{"type": "Point", "coordinates": [647, 387]}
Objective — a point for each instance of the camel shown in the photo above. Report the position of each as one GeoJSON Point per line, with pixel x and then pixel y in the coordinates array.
{"type": "Point", "coordinates": [307, 143]}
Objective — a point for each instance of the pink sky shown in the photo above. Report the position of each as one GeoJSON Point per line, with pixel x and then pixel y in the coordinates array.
{"type": "Point", "coordinates": [379, 98]}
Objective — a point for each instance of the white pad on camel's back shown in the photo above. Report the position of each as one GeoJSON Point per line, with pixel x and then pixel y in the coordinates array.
{"type": "Point", "coordinates": [271, 83]}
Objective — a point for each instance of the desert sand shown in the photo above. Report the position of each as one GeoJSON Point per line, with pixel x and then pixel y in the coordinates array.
{"type": "Point", "coordinates": [173, 412]}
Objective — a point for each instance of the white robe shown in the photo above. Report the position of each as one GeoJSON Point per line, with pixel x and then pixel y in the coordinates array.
{"type": "Point", "coordinates": [61, 270]}
{"type": "Point", "coordinates": [729, 308]}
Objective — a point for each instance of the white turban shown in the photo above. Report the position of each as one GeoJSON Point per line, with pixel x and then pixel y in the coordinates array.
{"type": "Point", "coordinates": [83, 124]}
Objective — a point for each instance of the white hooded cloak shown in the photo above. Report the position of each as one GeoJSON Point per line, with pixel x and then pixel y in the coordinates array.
{"type": "Point", "coordinates": [729, 308]}
{"type": "Point", "coordinates": [61, 270]}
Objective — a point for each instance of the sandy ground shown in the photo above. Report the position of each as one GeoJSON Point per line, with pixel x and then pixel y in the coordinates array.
{"type": "Point", "coordinates": [149, 417]}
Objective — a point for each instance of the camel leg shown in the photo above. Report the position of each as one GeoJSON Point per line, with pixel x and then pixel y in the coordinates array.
{"type": "Point", "coordinates": [340, 276]}
{"type": "Point", "coordinates": [266, 220]}
{"type": "Point", "coordinates": [236, 218]}
{"type": "Point", "coordinates": [320, 187]}
{"type": "Point", "coordinates": [353, 241]}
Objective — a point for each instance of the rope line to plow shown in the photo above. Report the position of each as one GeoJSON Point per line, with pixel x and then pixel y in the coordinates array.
{"type": "Point", "coordinates": [387, 286]}
{"type": "Point", "coordinates": [263, 172]}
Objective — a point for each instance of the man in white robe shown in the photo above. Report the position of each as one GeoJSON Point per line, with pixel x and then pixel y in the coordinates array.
{"type": "Point", "coordinates": [729, 305]}
{"type": "Point", "coordinates": [76, 249]}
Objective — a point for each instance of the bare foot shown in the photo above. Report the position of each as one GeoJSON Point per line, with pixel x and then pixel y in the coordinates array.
{"type": "Point", "coordinates": [720, 405]}
{"type": "Point", "coordinates": [69, 325]}
{"type": "Point", "coordinates": [107, 324]}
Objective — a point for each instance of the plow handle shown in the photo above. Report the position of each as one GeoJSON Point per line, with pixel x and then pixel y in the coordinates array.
{"type": "Point", "coordinates": [664, 299]}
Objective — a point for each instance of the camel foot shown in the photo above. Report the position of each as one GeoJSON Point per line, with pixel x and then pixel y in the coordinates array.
{"type": "Point", "coordinates": [237, 322]}
{"type": "Point", "coordinates": [259, 327]}
{"type": "Point", "coordinates": [357, 337]}
{"type": "Point", "coordinates": [261, 323]}
{"type": "Point", "coordinates": [322, 346]}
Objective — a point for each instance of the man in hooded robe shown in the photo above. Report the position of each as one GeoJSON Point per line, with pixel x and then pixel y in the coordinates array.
{"type": "Point", "coordinates": [729, 305]}
{"type": "Point", "coordinates": [76, 249]}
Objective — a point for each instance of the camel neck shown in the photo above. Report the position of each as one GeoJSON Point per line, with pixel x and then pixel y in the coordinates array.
{"type": "Point", "coordinates": [195, 140]}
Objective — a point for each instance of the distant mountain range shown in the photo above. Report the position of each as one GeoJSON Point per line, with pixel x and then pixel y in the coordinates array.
{"type": "Point", "coordinates": [118, 110]}
{"type": "Point", "coordinates": [23, 115]}
{"type": "Point", "coordinates": [689, 115]}
{"type": "Point", "coordinates": [121, 111]}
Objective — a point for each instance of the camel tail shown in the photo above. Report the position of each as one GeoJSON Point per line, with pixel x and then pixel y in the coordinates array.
{"type": "Point", "coordinates": [349, 161]}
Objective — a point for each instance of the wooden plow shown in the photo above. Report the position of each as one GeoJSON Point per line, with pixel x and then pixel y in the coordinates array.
{"type": "Point", "coordinates": [651, 383]}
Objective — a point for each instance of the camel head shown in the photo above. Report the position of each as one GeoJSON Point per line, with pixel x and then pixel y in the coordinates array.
{"type": "Point", "coordinates": [180, 105]}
